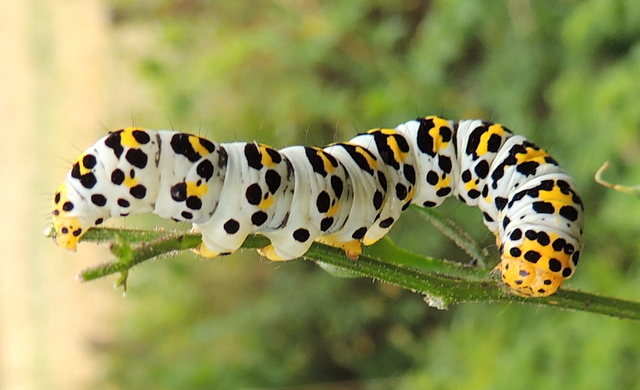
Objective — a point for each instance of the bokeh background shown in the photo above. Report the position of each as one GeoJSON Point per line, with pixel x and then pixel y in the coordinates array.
{"type": "Point", "coordinates": [564, 73]}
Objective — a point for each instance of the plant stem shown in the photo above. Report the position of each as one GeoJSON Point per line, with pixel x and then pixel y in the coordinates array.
{"type": "Point", "coordinates": [442, 285]}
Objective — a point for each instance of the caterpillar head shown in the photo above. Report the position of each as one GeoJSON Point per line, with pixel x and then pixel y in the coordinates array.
{"type": "Point", "coordinates": [525, 279]}
{"type": "Point", "coordinates": [72, 216]}
{"type": "Point", "coordinates": [535, 263]}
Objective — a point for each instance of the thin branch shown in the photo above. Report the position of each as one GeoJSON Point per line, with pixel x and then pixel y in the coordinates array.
{"type": "Point", "coordinates": [635, 190]}
{"type": "Point", "coordinates": [442, 285]}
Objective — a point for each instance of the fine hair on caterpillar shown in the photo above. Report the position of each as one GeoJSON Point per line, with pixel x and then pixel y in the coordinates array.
{"type": "Point", "coordinates": [344, 195]}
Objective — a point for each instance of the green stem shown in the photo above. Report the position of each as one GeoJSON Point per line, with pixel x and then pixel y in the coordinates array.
{"type": "Point", "coordinates": [442, 286]}
{"type": "Point", "coordinates": [393, 254]}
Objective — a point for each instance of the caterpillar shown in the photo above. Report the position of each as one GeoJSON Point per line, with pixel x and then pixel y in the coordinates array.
{"type": "Point", "coordinates": [342, 195]}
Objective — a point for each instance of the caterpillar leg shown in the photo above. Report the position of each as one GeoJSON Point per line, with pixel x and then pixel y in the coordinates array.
{"type": "Point", "coordinates": [285, 247]}
{"type": "Point", "coordinates": [270, 253]}
{"type": "Point", "coordinates": [352, 249]}
{"type": "Point", "coordinates": [370, 241]}
{"type": "Point", "coordinates": [203, 251]}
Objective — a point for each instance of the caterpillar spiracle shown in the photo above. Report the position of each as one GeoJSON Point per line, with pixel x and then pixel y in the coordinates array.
{"type": "Point", "coordinates": [343, 195]}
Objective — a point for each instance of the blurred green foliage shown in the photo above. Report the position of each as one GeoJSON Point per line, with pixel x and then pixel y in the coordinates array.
{"type": "Point", "coordinates": [564, 73]}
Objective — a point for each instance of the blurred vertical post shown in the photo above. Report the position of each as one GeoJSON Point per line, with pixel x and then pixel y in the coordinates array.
{"type": "Point", "coordinates": [54, 85]}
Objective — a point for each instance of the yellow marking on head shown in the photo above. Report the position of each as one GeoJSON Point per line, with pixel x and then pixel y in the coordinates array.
{"type": "Point", "coordinates": [193, 189]}
{"type": "Point", "coordinates": [534, 279]}
{"type": "Point", "coordinates": [532, 285]}
{"type": "Point", "coordinates": [127, 139]}
{"type": "Point", "coordinates": [68, 232]}
{"type": "Point", "coordinates": [197, 145]}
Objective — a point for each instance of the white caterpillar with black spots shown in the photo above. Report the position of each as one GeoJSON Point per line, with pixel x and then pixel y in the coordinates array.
{"type": "Point", "coordinates": [342, 195]}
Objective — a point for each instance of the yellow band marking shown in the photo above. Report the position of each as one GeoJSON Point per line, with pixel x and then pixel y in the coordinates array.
{"type": "Point", "coordinates": [197, 145]}
{"type": "Point", "coordinates": [127, 139]}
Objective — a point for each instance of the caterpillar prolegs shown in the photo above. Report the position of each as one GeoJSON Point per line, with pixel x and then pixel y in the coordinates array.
{"type": "Point", "coordinates": [343, 195]}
